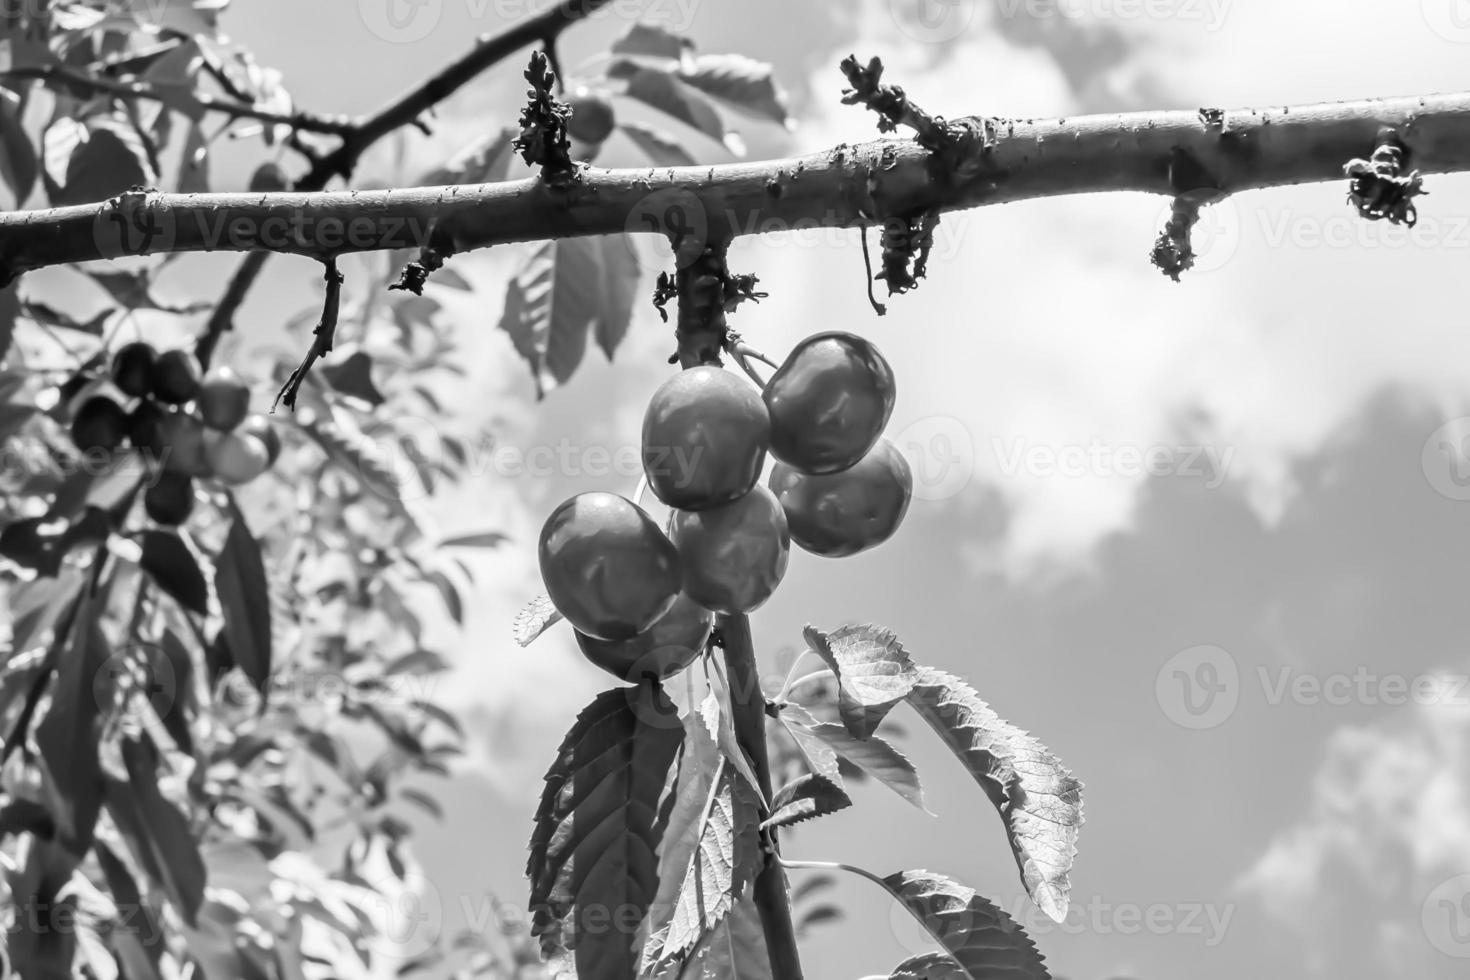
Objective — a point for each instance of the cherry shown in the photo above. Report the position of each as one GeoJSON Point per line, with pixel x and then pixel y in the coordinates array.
{"type": "Point", "coordinates": [224, 399]}
{"type": "Point", "coordinates": [170, 498]}
{"type": "Point", "coordinates": [704, 439]}
{"type": "Point", "coordinates": [839, 514]}
{"type": "Point", "coordinates": [100, 425]}
{"type": "Point", "coordinates": [662, 650]}
{"type": "Point", "coordinates": [592, 117]}
{"type": "Point", "coordinates": [235, 458]}
{"type": "Point", "coordinates": [734, 555]}
{"type": "Point", "coordinates": [183, 444]}
{"type": "Point", "coordinates": [607, 567]}
{"type": "Point", "coordinates": [145, 429]}
{"type": "Point", "coordinates": [829, 402]}
{"type": "Point", "coordinates": [260, 427]}
{"type": "Point", "coordinates": [175, 377]}
{"type": "Point", "coordinates": [132, 369]}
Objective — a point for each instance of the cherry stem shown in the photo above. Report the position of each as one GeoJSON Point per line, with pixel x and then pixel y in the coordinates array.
{"type": "Point", "coordinates": [747, 702]}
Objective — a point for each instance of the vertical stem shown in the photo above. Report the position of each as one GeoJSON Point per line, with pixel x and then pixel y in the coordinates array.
{"type": "Point", "coordinates": [748, 703]}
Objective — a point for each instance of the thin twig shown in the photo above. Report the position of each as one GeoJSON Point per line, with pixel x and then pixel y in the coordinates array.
{"type": "Point", "coordinates": [322, 336]}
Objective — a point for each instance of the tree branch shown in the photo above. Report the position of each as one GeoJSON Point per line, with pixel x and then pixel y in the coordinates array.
{"type": "Point", "coordinates": [772, 900]}
{"type": "Point", "coordinates": [1175, 153]}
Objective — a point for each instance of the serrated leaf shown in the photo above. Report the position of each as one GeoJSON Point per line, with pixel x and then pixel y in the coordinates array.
{"type": "Point", "coordinates": [18, 166]}
{"type": "Point", "coordinates": [873, 672]}
{"type": "Point", "coordinates": [170, 563]}
{"type": "Point", "coordinates": [564, 289]}
{"type": "Point", "coordinates": [722, 864]}
{"type": "Point", "coordinates": [716, 712]}
{"type": "Point", "coordinates": [244, 595]}
{"type": "Point", "coordinates": [805, 798]}
{"type": "Point", "coordinates": [734, 950]}
{"type": "Point", "coordinates": [982, 939]}
{"type": "Point", "coordinates": [663, 90]}
{"type": "Point", "coordinates": [929, 966]}
{"type": "Point", "coordinates": [651, 41]}
{"type": "Point", "coordinates": [535, 618]}
{"type": "Point", "coordinates": [876, 757]}
{"type": "Point", "coordinates": [661, 148]}
{"type": "Point", "coordinates": [593, 847]}
{"type": "Point", "coordinates": [744, 83]}
{"type": "Point", "coordinates": [820, 757]}
{"type": "Point", "coordinates": [1039, 800]}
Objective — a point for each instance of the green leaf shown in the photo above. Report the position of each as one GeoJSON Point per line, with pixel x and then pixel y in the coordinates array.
{"type": "Point", "coordinates": [481, 539]}
{"type": "Point", "coordinates": [353, 376]}
{"type": "Point", "coordinates": [986, 943]}
{"type": "Point", "coordinates": [592, 865]}
{"type": "Point", "coordinates": [651, 41]}
{"type": "Point", "coordinates": [661, 148]}
{"type": "Point", "coordinates": [45, 953]}
{"type": "Point", "coordinates": [418, 663]}
{"type": "Point", "coordinates": [18, 167]}
{"type": "Point", "coordinates": [170, 563]}
{"type": "Point", "coordinates": [876, 757]}
{"type": "Point", "coordinates": [194, 162]}
{"type": "Point", "coordinates": [485, 161]}
{"type": "Point", "coordinates": [244, 595]}
{"type": "Point", "coordinates": [714, 852]}
{"type": "Point", "coordinates": [929, 966]}
{"type": "Point", "coordinates": [535, 618]}
{"type": "Point", "coordinates": [449, 592]}
{"type": "Point", "coordinates": [805, 798]}
{"type": "Point", "coordinates": [70, 735]}
{"type": "Point", "coordinates": [873, 672]}
{"type": "Point", "coordinates": [169, 836]}
{"type": "Point", "coordinates": [1039, 800]}
{"type": "Point", "coordinates": [562, 290]}
{"type": "Point", "coordinates": [102, 158]}
{"type": "Point", "coordinates": [734, 950]}
{"type": "Point", "coordinates": [663, 90]}
{"type": "Point", "coordinates": [744, 83]}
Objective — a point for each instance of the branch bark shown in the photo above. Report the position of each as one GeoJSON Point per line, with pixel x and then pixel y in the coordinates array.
{"type": "Point", "coordinates": [1173, 153]}
{"type": "Point", "coordinates": [772, 899]}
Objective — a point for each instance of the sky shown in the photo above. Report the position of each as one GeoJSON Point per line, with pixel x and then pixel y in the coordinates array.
{"type": "Point", "coordinates": [1206, 540]}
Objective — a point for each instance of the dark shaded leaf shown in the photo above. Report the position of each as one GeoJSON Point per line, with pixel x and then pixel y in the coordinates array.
{"type": "Point", "coordinates": [651, 41]}
{"type": "Point", "coordinates": [483, 539]}
{"type": "Point", "coordinates": [1039, 800]}
{"type": "Point", "coordinates": [18, 166]}
{"type": "Point", "coordinates": [986, 942]}
{"type": "Point", "coordinates": [449, 592]}
{"type": "Point", "coordinates": [71, 733]}
{"type": "Point", "coordinates": [104, 157]}
{"type": "Point", "coordinates": [744, 83]}
{"type": "Point", "coordinates": [661, 148]}
{"type": "Point", "coordinates": [244, 595]}
{"type": "Point", "coordinates": [876, 757]}
{"type": "Point", "coordinates": [353, 376]}
{"type": "Point", "coordinates": [663, 90]}
{"type": "Point", "coordinates": [170, 563]}
{"type": "Point", "coordinates": [929, 966]}
{"type": "Point", "coordinates": [417, 663]}
{"type": "Point", "coordinates": [169, 836]}
{"type": "Point", "coordinates": [43, 953]}
{"type": "Point", "coordinates": [592, 851]}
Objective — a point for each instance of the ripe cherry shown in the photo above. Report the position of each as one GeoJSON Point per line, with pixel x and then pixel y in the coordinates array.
{"type": "Point", "coordinates": [261, 428]}
{"type": "Point", "coordinates": [224, 399]}
{"type": "Point", "coordinates": [704, 438]}
{"type": "Point", "coordinates": [839, 514]}
{"type": "Point", "coordinates": [145, 429]}
{"type": "Point", "coordinates": [662, 650]}
{"type": "Point", "coordinates": [175, 377]}
{"type": "Point", "coordinates": [170, 498]}
{"type": "Point", "coordinates": [607, 567]}
{"type": "Point", "coordinates": [132, 369]}
{"type": "Point", "coordinates": [592, 118]}
{"type": "Point", "coordinates": [235, 458]}
{"type": "Point", "coordinates": [734, 555]}
{"type": "Point", "coordinates": [829, 402]}
{"type": "Point", "coordinates": [183, 444]}
{"type": "Point", "coordinates": [100, 425]}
